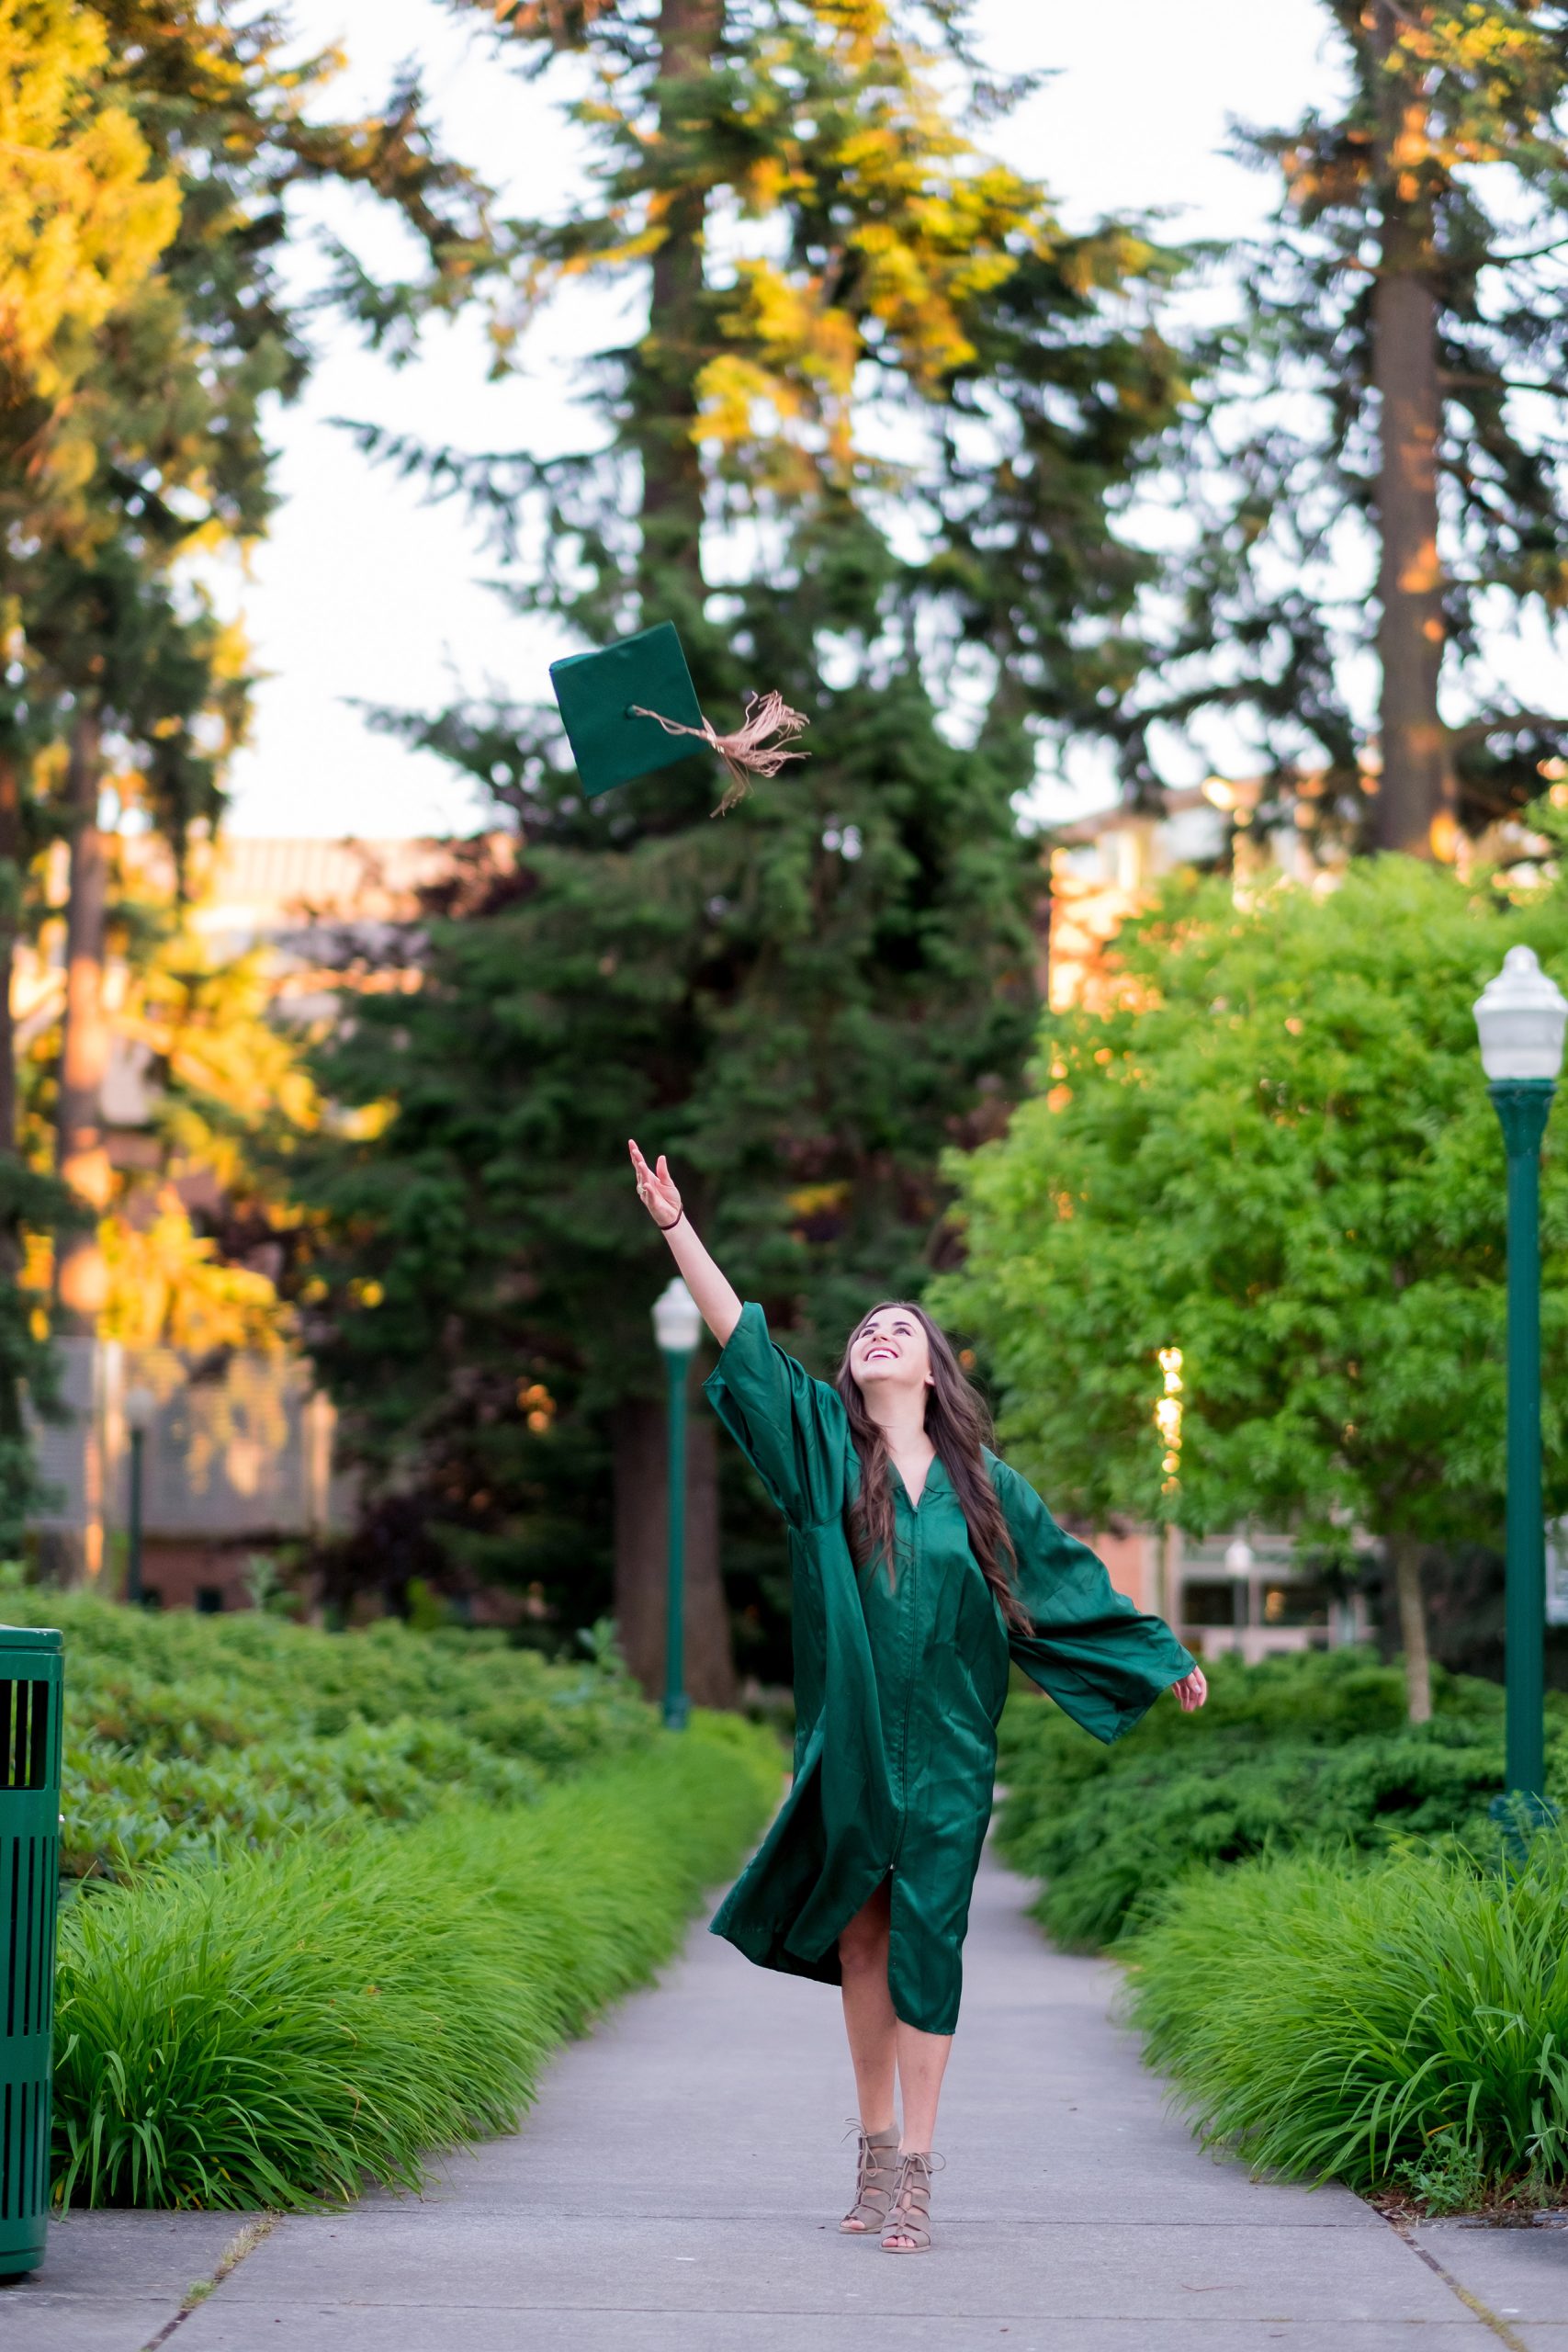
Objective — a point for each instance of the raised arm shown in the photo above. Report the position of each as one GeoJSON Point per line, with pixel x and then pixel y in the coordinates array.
{"type": "Point", "coordinates": [716, 1300]}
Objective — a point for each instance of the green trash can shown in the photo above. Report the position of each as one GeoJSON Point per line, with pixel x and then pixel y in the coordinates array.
{"type": "Point", "coordinates": [31, 1684]}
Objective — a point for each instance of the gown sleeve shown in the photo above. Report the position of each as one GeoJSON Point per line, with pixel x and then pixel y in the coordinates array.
{"type": "Point", "coordinates": [1102, 1660]}
{"type": "Point", "coordinates": [793, 1430]}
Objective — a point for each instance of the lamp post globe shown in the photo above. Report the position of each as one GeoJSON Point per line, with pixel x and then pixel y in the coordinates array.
{"type": "Point", "coordinates": [677, 1323]}
{"type": "Point", "coordinates": [677, 1328]}
{"type": "Point", "coordinates": [1520, 1017]}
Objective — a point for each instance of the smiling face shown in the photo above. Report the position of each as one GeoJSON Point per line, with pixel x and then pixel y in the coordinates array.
{"type": "Point", "coordinates": [890, 1351]}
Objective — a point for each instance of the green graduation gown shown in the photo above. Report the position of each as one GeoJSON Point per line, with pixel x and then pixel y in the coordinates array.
{"type": "Point", "coordinates": [898, 1684]}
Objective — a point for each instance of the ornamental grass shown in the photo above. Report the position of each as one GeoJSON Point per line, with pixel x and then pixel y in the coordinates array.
{"type": "Point", "coordinates": [304, 2021]}
{"type": "Point", "coordinates": [1399, 2024]}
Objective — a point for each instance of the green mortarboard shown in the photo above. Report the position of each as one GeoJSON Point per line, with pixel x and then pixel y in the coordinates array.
{"type": "Point", "coordinates": [598, 694]}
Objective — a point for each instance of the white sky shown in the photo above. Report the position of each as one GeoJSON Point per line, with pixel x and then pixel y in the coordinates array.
{"type": "Point", "coordinates": [363, 593]}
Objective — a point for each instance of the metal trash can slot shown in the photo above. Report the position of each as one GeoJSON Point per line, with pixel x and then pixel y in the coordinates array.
{"type": "Point", "coordinates": [31, 1688]}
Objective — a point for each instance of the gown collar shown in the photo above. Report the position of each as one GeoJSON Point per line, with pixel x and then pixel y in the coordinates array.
{"type": "Point", "coordinates": [936, 1477]}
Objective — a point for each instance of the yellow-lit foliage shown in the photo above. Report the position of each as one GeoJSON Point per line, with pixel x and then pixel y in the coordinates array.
{"type": "Point", "coordinates": [838, 115]}
{"type": "Point", "coordinates": [168, 1287]}
{"type": "Point", "coordinates": [227, 1092]}
{"type": "Point", "coordinates": [929, 227]}
{"type": "Point", "coordinates": [232, 1076]}
{"type": "Point", "coordinates": [83, 219]}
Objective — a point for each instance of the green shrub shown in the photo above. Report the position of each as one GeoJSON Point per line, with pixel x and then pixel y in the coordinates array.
{"type": "Point", "coordinates": [309, 2019]}
{"type": "Point", "coordinates": [1400, 2023]}
{"type": "Point", "coordinates": [183, 1683]}
{"type": "Point", "coordinates": [1311, 1749]}
{"type": "Point", "coordinates": [185, 1734]}
{"type": "Point", "coordinates": [123, 1808]}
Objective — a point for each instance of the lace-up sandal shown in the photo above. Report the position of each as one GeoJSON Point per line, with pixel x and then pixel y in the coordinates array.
{"type": "Point", "coordinates": [909, 2218]}
{"type": "Point", "coordinates": [875, 2181]}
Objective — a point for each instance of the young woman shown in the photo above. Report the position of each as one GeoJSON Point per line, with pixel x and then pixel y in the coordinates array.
{"type": "Point", "coordinates": [921, 1564]}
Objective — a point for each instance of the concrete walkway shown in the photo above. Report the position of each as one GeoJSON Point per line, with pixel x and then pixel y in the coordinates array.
{"type": "Point", "coordinates": [678, 2187]}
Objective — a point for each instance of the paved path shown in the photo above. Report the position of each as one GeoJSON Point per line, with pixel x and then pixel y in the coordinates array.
{"type": "Point", "coordinates": [677, 2187]}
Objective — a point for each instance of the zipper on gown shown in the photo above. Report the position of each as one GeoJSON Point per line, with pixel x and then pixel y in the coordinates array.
{"type": "Point", "coordinates": [910, 1614]}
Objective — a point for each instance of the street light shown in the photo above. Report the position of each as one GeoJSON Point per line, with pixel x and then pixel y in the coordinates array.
{"type": "Point", "coordinates": [1238, 1567]}
{"type": "Point", "coordinates": [677, 1327]}
{"type": "Point", "coordinates": [140, 1411]}
{"type": "Point", "coordinates": [1520, 1016]}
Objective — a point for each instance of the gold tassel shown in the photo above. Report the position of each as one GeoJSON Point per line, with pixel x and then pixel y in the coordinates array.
{"type": "Point", "coordinates": [748, 751]}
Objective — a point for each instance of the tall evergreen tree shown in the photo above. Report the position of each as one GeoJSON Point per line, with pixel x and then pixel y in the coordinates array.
{"type": "Point", "coordinates": [866, 449]}
{"type": "Point", "coordinates": [1378, 459]}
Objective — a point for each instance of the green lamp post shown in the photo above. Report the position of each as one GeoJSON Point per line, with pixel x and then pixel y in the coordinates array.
{"type": "Point", "coordinates": [1520, 1016]}
{"type": "Point", "coordinates": [677, 1327]}
{"type": "Point", "coordinates": [140, 1412]}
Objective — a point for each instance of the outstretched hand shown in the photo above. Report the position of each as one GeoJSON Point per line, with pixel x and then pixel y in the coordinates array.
{"type": "Point", "coordinates": [1191, 1691]}
{"type": "Point", "coordinates": [656, 1188]}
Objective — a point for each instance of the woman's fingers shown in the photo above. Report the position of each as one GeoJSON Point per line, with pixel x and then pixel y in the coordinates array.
{"type": "Point", "coordinates": [654, 1190]}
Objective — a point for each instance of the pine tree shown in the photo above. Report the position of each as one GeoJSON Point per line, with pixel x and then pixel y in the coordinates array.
{"type": "Point", "coordinates": [804, 1001]}
{"type": "Point", "coordinates": [1380, 448]}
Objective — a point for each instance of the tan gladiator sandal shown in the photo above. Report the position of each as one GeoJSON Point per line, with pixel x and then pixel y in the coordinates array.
{"type": "Point", "coordinates": [874, 2182]}
{"type": "Point", "coordinates": [910, 2215]}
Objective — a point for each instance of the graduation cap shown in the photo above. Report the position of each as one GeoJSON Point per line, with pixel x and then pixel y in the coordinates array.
{"type": "Point", "coordinates": [631, 708]}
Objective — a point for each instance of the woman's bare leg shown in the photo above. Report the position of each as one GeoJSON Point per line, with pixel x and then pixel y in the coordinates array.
{"type": "Point", "coordinates": [922, 2061]}
{"type": "Point", "coordinates": [869, 2021]}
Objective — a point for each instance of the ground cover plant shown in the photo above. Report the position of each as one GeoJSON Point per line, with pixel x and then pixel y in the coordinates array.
{"type": "Point", "coordinates": [1311, 1750]}
{"type": "Point", "coordinates": [185, 1733]}
{"type": "Point", "coordinates": [302, 2021]}
{"type": "Point", "coordinates": [1400, 2024]}
{"type": "Point", "coordinates": [339, 1895]}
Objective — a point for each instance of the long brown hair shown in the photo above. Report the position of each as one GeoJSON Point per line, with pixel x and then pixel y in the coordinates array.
{"type": "Point", "coordinates": [958, 1425]}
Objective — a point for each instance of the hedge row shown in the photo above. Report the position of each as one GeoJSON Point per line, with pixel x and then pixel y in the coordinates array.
{"type": "Point", "coordinates": [1399, 2025]}
{"type": "Point", "coordinates": [187, 1736]}
{"type": "Point", "coordinates": [307, 2020]}
{"type": "Point", "coordinates": [1343, 1967]}
{"type": "Point", "coordinates": [1305, 1752]}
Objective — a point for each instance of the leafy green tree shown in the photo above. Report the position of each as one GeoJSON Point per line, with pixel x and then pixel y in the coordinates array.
{"type": "Point", "coordinates": [1376, 465]}
{"type": "Point", "coordinates": [1275, 1153]}
{"type": "Point", "coordinates": [159, 153]}
{"type": "Point", "coordinates": [178, 457]}
{"type": "Point", "coordinates": [151, 157]}
{"type": "Point", "coordinates": [804, 1002]}
{"type": "Point", "coordinates": [85, 214]}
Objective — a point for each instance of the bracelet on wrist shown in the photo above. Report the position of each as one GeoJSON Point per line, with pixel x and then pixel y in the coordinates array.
{"type": "Point", "coordinates": [673, 1222]}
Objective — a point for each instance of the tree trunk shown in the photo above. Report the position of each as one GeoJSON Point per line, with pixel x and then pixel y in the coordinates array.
{"type": "Point", "coordinates": [11, 1426]}
{"type": "Point", "coordinates": [10, 932]}
{"type": "Point", "coordinates": [664, 380]}
{"type": "Point", "coordinates": [664, 398]}
{"type": "Point", "coordinates": [642, 1556]}
{"type": "Point", "coordinates": [1407, 1555]}
{"type": "Point", "coordinates": [81, 1157]}
{"type": "Point", "coordinates": [1417, 796]}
